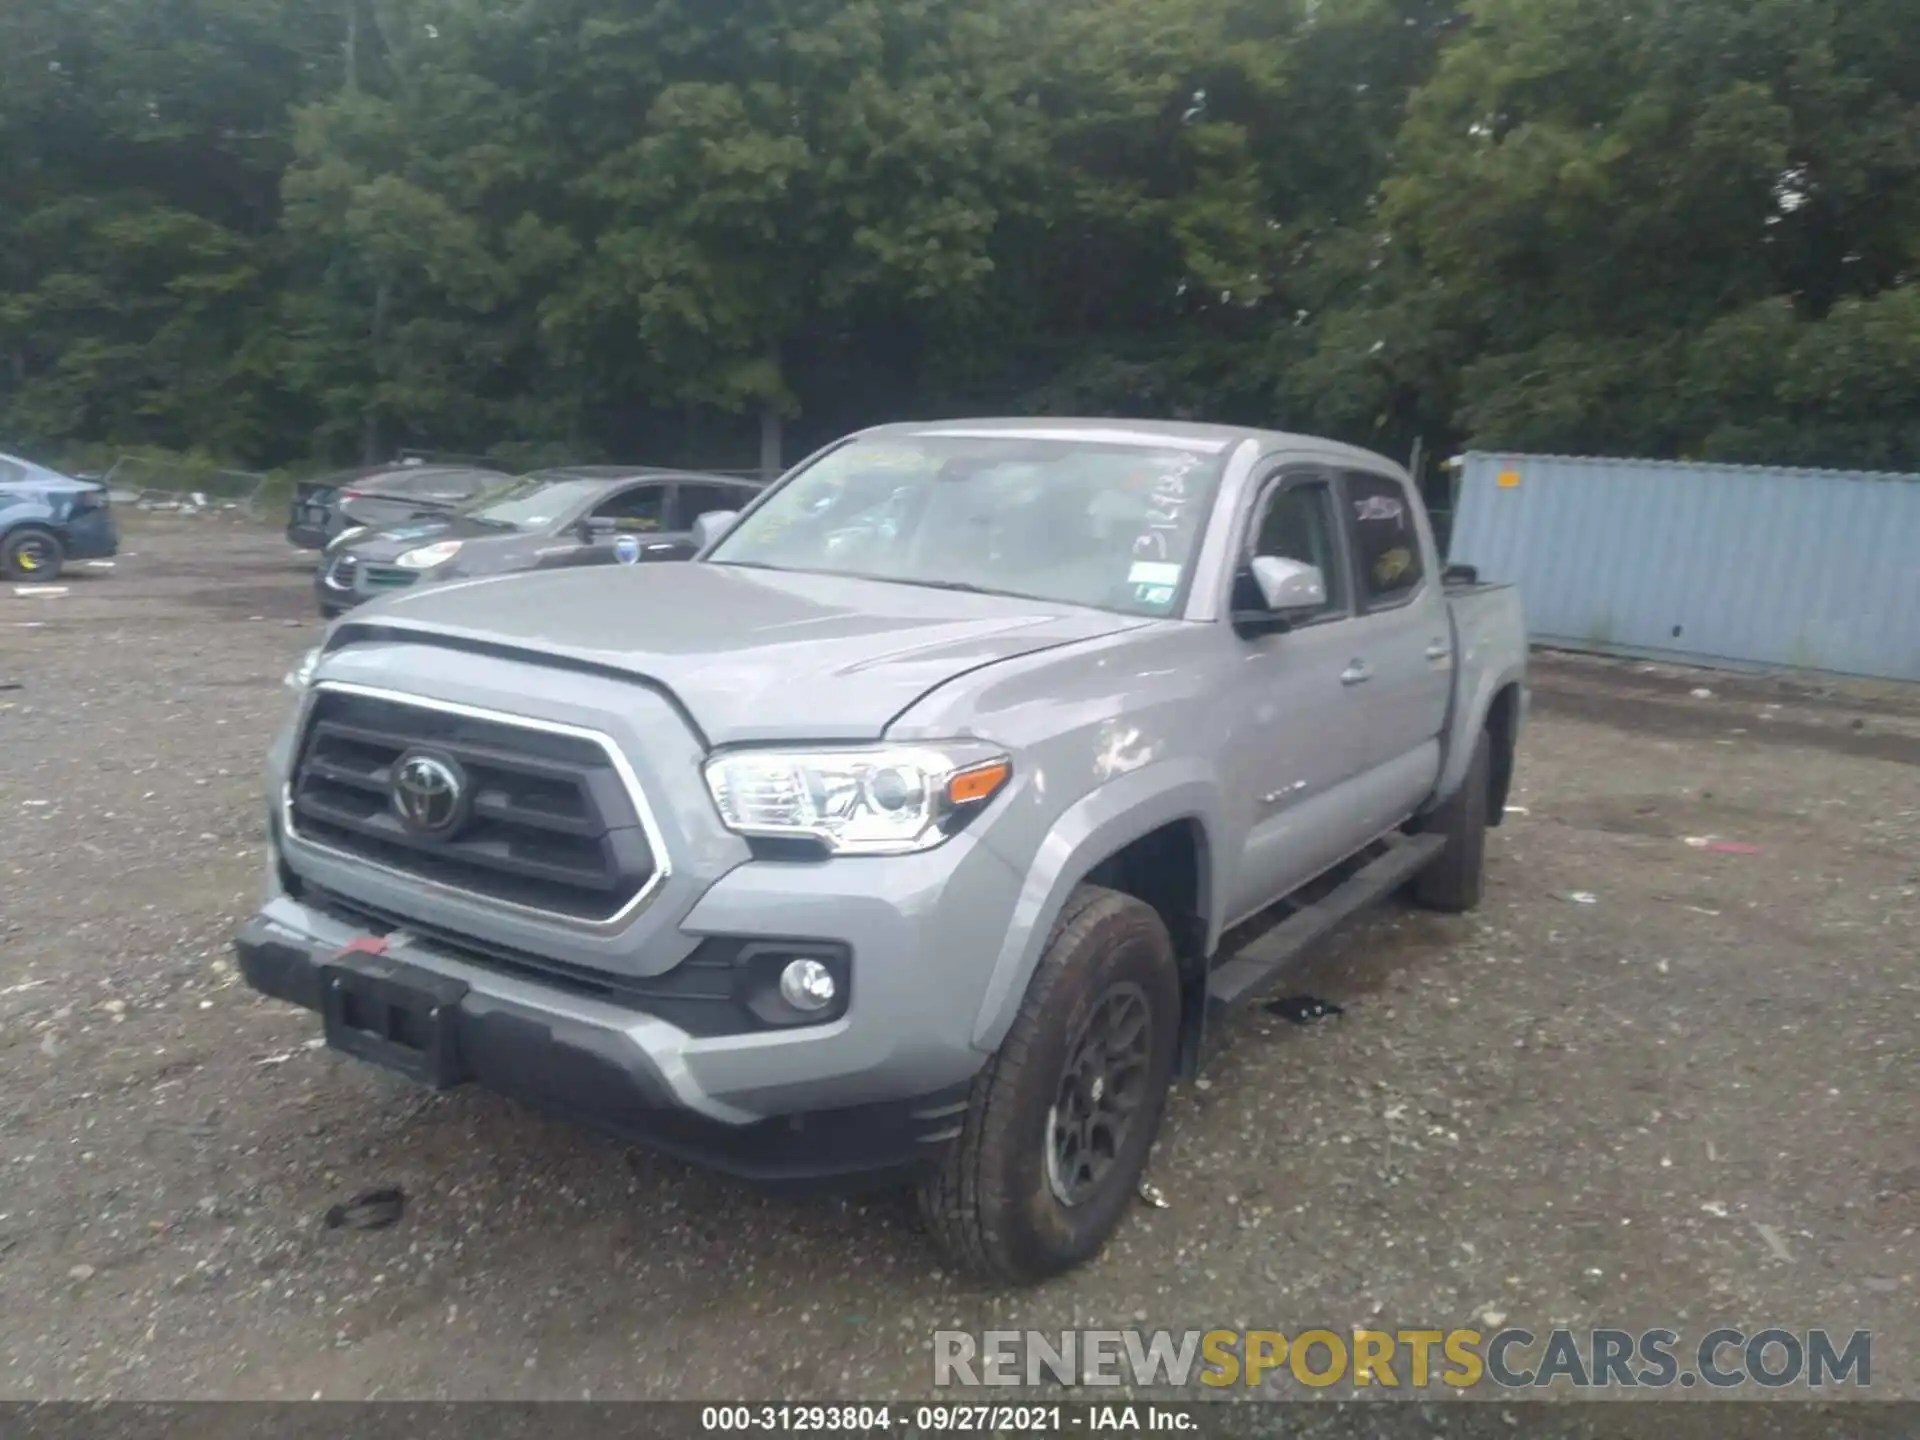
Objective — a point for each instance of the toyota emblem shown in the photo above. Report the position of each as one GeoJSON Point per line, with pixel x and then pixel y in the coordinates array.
{"type": "Point", "coordinates": [429, 793]}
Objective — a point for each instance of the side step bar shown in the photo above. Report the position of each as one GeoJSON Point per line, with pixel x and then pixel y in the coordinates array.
{"type": "Point", "coordinates": [1253, 969]}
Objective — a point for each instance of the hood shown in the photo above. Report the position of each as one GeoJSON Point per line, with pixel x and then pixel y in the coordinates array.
{"type": "Point", "coordinates": [751, 654]}
{"type": "Point", "coordinates": [388, 543]}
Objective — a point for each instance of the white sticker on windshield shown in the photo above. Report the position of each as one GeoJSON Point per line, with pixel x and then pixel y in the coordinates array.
{"type": "Point", "coordinates": [1153, 572]}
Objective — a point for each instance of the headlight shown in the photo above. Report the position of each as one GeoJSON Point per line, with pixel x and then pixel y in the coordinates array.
{"type": "Point", "coordinates": [428, 556]}
{"type": "Point", "coordinates": [301, 675]}
{"type": "Point", "coordinates": [886, 801]}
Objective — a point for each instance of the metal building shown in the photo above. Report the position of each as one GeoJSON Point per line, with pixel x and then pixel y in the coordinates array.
{"type": "Point", "coordinates": [1702, 564]}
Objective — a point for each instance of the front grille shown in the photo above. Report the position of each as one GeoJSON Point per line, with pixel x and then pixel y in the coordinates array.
{"type": "Point", "coordinates": [547, 823]}
{"type": "Point", "coordinates": [342, 571]}
{"type": "Point", "coordinates": [389, 577]}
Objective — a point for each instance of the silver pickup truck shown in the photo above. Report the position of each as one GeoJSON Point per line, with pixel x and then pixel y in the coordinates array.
{"type": "Point", "coordinates": [895, 838]}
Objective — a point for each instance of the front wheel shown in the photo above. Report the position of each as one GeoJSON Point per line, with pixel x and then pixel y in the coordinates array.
{"type": "Point", "coordinates": [1062, 1119]}
{"type": "Point", "coordinates": [31, 554]}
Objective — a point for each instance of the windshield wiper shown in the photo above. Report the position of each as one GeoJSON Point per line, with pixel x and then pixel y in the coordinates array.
{"type": "Point", "coordinates": [965, 587]}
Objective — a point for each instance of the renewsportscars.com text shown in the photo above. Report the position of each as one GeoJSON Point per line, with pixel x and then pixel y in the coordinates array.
{"type": "Point", "coordinates": [1515, 1359]}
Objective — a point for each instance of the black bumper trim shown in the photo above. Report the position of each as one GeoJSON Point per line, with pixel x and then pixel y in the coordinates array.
{"type": "Point", "coordinates": [582, 1073]}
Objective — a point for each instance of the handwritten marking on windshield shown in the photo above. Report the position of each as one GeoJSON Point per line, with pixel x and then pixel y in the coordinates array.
{"type": "Point", "coordinates": [1165, 506]}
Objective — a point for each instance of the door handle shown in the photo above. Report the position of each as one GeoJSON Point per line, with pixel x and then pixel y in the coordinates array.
{"type": "Point", "coordinates": [1358, 673]}
{"type": "Point", "coordinates": [656, 549]}
{"type": "Point", "coordinates": [1439, 650]}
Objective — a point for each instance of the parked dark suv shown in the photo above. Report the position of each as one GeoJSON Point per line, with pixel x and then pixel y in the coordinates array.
{"type": "Point", "coordinates": [549, 520]}
{"type": "Point", "coordinates": [47, 519]}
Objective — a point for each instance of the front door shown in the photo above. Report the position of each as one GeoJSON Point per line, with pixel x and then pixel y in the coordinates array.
{"type": "Point", "coordinates": [1292, 753]}
{"type": "Point", "coordinates": [637, 516]}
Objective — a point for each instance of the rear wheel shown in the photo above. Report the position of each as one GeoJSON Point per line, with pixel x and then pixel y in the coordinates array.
{"type": "Point", "coordinates": [1454, 880]}
{"type": "Point", "coordinates": [1062, 1119]}
{"type": "Point", "coordinates": [31, 554]}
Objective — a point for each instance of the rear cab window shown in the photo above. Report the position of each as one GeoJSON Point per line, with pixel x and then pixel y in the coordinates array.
{"type": "Point", "coordinates": [1385, 536]}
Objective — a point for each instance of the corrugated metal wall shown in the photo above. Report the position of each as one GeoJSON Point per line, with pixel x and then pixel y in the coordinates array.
{"type": "Point", "coordinates": [1702, 564]}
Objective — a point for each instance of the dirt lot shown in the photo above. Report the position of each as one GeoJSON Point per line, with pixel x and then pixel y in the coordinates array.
{"type": "Point", "coordinates": [1689, 1102]}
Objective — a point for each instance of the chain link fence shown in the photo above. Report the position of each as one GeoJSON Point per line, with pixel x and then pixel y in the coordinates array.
{"type": "Point", "coordinates": [171, 484]}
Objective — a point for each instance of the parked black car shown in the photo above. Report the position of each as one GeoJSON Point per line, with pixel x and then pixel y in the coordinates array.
{"type": "Point", "coordinates": [582, 515]}
{"type": "Point", "coordinates": [47, 519]}
{"type": "Point", "coordinates": [326, 508]}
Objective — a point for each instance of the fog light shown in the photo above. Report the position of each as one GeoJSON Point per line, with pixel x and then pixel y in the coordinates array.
{"type": "Point", "coordinates": [807, 985]}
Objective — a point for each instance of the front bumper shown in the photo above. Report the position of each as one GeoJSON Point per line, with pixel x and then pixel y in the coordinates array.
{"type": "Point", "coordinates": [921, 933]}
{"type": "Point", "coordinates": [607, 1072]}
{"type": "Point", "coordinates": [338, 588]}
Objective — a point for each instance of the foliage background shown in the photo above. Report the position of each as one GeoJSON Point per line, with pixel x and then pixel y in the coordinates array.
{"type": "Point", "coordinates": [285, 232]}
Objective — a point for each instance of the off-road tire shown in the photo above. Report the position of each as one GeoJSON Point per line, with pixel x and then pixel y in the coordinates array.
{"type": "Point", "coordinates": [990, 1207]}
{"type": "Point", "coordinates": [1453, 881]}
{"type": "Point", "coordinates": [27, 541]}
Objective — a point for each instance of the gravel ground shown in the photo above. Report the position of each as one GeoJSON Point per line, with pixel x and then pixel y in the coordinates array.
{"type": "Point", "coordinates": [1688, 1102]}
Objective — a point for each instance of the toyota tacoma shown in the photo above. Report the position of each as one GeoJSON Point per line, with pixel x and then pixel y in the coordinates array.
{"type": "Point", "coordinates": [895, 838]}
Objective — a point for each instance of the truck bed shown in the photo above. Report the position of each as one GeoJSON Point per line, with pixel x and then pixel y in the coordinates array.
{"type": "Point", "coordinates": [1490, 630]}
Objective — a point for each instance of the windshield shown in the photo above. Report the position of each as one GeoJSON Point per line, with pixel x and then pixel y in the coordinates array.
{"type": "Point", "coordinates": [1111, 526]}
{"type": "Point", "coordinates": [531, 503]}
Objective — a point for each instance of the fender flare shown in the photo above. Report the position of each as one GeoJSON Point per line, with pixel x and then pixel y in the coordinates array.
{"type": "Point", "coordinates": [1094, 827]}
{"type": "Point", "coordinates": [1469, 720]}
{"type": "Point", "coordinates": [33, 514]}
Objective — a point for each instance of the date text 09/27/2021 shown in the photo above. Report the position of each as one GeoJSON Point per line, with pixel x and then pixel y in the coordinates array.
{"type": "Point", "coordinates": [943, 1418]}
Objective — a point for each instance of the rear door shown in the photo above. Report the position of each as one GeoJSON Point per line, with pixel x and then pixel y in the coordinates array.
{"type": "Point", "coordinates": [1402, 657]}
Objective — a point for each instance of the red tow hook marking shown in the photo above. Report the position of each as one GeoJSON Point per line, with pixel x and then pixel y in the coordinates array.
{"type": "Point", "coordinates": [365, 945]}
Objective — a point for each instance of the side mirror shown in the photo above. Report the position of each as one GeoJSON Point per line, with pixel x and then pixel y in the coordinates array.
{"type": "Point", "coordinates": [1461, 575]}
{"type": "Point", "coordinates": [598, 527]}
{"type": "Point", "coordinates": [1289, 586]}
{"type": "Point", "coordinates": [1286, 591]}
{"type": "Point", "coordinates": [712, 525]}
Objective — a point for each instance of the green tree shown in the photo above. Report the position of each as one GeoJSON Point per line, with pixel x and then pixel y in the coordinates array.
{"type": "Point", "coordinates": [1591, 201]}
{"type": "Point", "coordinates": [141, 147]}
{"type": "Point", "coordinates": [772, 184]}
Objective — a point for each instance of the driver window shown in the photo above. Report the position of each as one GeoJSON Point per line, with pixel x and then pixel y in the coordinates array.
{"type": "Point", "coordinates": [637, 510]}
{"type": "Point", "coordinates": [1297, 522]}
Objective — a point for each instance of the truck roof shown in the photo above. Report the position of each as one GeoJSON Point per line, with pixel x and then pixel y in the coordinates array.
{"type": "Point", "coordinates": [1179, 434]}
